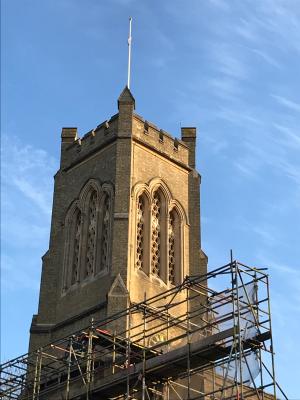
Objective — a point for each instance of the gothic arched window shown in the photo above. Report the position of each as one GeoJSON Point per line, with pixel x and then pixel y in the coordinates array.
{"type": "Point", "coordinates": [91, 235]}
{"type": "Point", "coordinates": [72, 264]}
{"type": "Point", "coordinates": [159, 233]}
{"type": "Point", "coordinates": [174, 239]}
{"type": "Point", "coordinates": [156, 234]}
{"type": "Point", "coordinates": [88, 234]}
{"type": "Point", "coordinates": [142, 235]}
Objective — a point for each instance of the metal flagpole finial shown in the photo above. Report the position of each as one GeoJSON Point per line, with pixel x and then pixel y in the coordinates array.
{"type": "Point", "coordinates": [129, 53]}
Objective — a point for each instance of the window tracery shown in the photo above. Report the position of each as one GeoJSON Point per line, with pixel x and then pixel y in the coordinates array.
{"type": "Point", "coordinates": [87, 234]}
{"type": "Point", "coordinates": [105, 232]}
{"type": "Point", "coordinates": [171, 232]}
{"type": "Point", "coordinates": [91, 235]}
{"type": "Point", "coordinates": [140, 233]}
{"type": "Point", "coordinates": [174, 233]}
{"type": "Point", "coordinates": [156, 235]}
{"type": "Point", "coordinates": [159, 233]}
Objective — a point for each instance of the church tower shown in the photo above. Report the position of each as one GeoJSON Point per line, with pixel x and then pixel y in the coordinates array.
{"type": "Point", "coordinates": [125, 222]}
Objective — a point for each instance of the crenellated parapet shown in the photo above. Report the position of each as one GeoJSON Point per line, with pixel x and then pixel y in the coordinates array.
{"type": "Point", "coordinates": [149, 135]}
{"type": "Point", "coordinates": [75, 149]}
{"type": "Point", "coordinates": [127, 125]}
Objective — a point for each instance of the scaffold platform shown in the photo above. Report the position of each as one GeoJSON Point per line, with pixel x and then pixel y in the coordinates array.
{"type": "Point", "coordinates": [215, 327]}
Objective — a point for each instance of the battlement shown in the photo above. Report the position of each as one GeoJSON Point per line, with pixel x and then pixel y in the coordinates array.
{"type": "Point", "coordinates": [153, 137]}
{"type": "Point", "coordinates": [127, 124]}
{"type": "Point", "coordinates": [74, 148]}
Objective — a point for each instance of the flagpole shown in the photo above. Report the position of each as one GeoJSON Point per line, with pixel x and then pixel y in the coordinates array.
{"type": "Point", "coordinates": [129, 53]}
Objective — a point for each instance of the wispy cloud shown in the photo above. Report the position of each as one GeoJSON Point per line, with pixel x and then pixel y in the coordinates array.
{"type": "Point", "coordinates": [290, 170]}
{"type": "Point", "coordinates": [262, 231]}
{"type": "Point", "coordinates": [229, 62]}
{"type": "Point", "coordinates": [271, 23]}
{"type": "Point", "coordinates": [246, 167]}
{"type": "Point", "coordinates": [291, 139]}
{"type": "Point", "coordinates": [221, 4]}
{"type": "Point", "coordinates": [29, 171]}
{"type": "Point", "coordinates": [26, 205]}
{"type": "Point", "coordinates": [282, 19]}
{"type": "Point", "coordinates": [238, 116]}
{"type": "Point", "coordinates": [266, 57]}
{"type": "Point", "coordinates": [33, 193]}
{"type": "Point", "coordinates": [256, 159]}
{"type": "Point", "coordinates": [286, 268]}
{"type": "Point", "coordinates": [290, 278]}
{"type": "Point", "coordinates": [266, 234]}
{"type": "Point", "coordinates": [17, 275]}
{"type": "Point", "coordinates": [225, 87]}
{"type": "Point", "coordinates": [290, 104]}
{"type": "Point", "coordinates": [217, 145]}
{"type": "Point", "coordinates": [246, 30]}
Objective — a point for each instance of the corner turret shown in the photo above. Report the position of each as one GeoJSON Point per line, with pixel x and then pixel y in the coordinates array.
{"type": "Point", "coordinates": [126, 106]}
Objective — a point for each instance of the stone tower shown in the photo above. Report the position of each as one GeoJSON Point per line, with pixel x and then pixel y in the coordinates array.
{"type": "Point", "coordinates": [125, 221]}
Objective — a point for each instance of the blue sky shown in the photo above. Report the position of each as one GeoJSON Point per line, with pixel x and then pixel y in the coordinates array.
{"type": "Point", "coordinates": [231, 68]}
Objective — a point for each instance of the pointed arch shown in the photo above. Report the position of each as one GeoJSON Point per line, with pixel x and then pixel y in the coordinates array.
{"type": "Point", "coordinates": [90, 186]}
{"type": "Point", "coordinates": [141, 188]}
{"type": "Point", "coordinates": [163, 249]}
{"type": "Point", "coordinates": [175, 204]}
{"type": "Point", "coordinates": [88, 226]}
{"type": "Point", "coordinates": [159, 184]}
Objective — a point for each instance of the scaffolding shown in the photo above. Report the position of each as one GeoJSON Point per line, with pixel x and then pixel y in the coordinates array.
{"type": "Point", "coordinates": [207, 338]}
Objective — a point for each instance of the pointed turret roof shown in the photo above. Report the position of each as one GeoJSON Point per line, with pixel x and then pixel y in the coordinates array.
{"type": "Point", "coordinates": [126, 97]}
